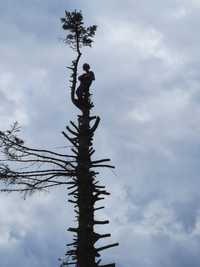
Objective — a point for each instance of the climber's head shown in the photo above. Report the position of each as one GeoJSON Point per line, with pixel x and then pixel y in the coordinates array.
{"type": "Point", "coordinates": [86, 67]}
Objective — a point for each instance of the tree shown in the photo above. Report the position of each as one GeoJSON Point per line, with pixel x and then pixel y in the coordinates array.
{"type": "Point", "coordinates": [46, 168]}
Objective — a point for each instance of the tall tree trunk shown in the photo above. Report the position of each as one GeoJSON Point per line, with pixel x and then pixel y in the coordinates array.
{"type": "Point", "coordinates": [85, 249]}
{"type": "Point", "coordinates": [86, 190]}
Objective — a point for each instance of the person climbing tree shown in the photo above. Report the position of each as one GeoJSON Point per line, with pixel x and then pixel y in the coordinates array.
{"type": "Point", "coordinates": [86, 80]}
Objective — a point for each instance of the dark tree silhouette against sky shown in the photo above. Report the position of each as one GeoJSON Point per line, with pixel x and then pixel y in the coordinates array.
{"type": "Point", "coordinates": [25, 169]}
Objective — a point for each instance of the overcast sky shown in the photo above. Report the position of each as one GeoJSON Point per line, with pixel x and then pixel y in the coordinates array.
{"type": "Point", "coordinates": [147, 92]}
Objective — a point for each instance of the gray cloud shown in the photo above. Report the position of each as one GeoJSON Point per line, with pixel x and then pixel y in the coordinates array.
{"type": "Point", "coordinates": [146, 61]}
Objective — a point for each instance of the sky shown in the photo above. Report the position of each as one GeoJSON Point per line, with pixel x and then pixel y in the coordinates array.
{"type": "Point", "coordinates": [146, 61]}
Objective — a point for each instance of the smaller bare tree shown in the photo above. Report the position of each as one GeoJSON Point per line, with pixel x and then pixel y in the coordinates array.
{"type": "Point", "coordinates": [25, 169]}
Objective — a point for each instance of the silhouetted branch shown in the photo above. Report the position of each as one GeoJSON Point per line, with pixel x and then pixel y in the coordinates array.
{"type": "Point", "coordinates": [102, 166]}
{"type": "Point", "coordinates": [106, 247]}
{"type": "Point", "coordinates": [44, 168]}
{"type": "Point", "coordinates": [94, 127]}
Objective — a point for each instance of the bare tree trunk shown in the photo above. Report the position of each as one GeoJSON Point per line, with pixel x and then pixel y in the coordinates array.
{"type": "Point", "coordinates": [86, 190]}
{"type": "Point", "coordinates": [85, 249]}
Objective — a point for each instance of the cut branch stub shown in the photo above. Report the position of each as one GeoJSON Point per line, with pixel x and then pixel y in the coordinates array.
{"type": "Point", "coordinates": [96, 124]}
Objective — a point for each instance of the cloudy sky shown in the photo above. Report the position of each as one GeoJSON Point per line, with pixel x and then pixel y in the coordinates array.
{"type": "Point", "coordinates": [147, 92]}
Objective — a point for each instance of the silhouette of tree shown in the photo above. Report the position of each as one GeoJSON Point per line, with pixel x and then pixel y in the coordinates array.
{"type": "Point", "coordinates": [26, 169]}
